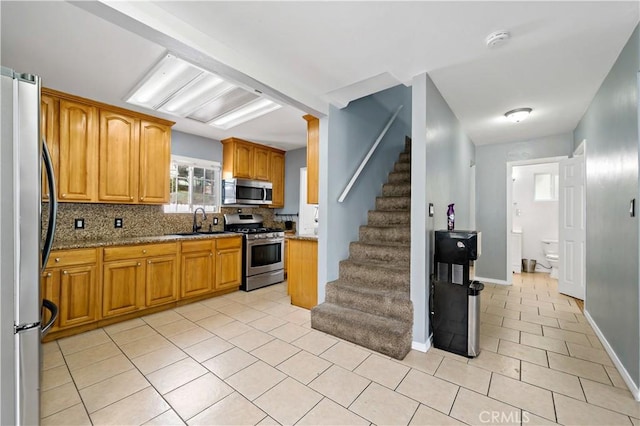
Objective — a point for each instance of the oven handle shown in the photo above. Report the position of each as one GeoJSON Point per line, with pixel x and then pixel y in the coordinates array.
{"type": "Point", "coordinates": [265, 241]}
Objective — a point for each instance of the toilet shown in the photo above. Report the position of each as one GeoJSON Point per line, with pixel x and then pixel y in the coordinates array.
{"type": "Point", "coordinates": [550, 250]}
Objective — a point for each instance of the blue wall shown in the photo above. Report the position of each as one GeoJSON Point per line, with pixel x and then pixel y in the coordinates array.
{"type": "Point", "coordinates": [294, 161]}
{"type": "Point", "coordinates": [194, 146]}
{"type": "Point", "coordinates": [610, 127]}
{"type": "Point", "coordinates": [491, 195]}
{"type": "Point", "coordinates": [350, 132]}
{"type": "Point", "coordinates": [440, 174]}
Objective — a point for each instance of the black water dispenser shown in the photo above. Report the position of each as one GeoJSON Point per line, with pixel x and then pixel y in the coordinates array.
{"type": "Point", "coordinates": [455, 296]}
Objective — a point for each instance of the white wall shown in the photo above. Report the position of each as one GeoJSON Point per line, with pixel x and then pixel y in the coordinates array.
{"type": "Point", "coordinates": [538, 220]}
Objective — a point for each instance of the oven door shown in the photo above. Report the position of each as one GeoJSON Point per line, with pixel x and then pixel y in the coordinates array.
{"type": "Point", "coordinates": [264, 256]}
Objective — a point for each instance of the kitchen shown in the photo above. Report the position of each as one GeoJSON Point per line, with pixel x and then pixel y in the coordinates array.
{"type": "Point", "coordinates": [188, 221]}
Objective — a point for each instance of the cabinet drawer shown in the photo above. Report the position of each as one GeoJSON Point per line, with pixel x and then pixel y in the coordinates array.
{"type": "Point", "coordinates": [228, 243]}
{"type": "Point", "coordinates": [132, 252]}
{"type": "Point", "coordinates": [72, 257]}
{"type": "Point", "coordinates": [200, 245]}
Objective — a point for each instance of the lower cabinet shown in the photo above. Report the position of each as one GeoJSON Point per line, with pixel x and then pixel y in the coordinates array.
{"type": "Point", "coordinates": [90, 285]}
{"type": "Point", "coordinates": [135, 277]}
{"type": "Point", "coordinates": [70, 281]}
{"type": "Point", "coordinates": [303, 272]}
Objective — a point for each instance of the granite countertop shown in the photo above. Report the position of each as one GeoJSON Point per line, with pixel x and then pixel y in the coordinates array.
{"type": "Point", "coordinates": [62, 245]}
{"type": "Point", "coordinates": [301, 237]}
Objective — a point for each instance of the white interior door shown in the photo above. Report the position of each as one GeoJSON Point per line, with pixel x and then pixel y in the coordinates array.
{"type": "Point", "coordinates": [571, 277]}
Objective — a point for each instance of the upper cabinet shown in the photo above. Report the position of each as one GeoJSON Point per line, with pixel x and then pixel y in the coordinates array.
{"type": "Point", "coordinates": [105, 154]}
{"type": "Point", "coordinates": [246, 160]}
{"type": "Point", "coordinates": [313, 142]}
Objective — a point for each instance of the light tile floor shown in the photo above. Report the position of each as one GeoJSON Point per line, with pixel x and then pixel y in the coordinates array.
{"type": "Point", "coordinates": [252, 358]}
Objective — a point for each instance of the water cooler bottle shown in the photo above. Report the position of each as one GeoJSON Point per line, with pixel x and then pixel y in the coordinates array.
{"type": "Point", "coordinates": [455, 297]}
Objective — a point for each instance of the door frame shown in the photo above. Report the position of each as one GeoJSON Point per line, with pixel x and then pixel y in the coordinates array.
{"type": "Point", "coordinates": [509, 205]}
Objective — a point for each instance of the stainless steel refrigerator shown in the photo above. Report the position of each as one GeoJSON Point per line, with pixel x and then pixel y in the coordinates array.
{"type": "Point", "coordinates": [23, 253]}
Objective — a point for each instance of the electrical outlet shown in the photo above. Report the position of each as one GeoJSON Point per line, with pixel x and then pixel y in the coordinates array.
{"type": "Point", "coordinates": [117, 223]}
{"type": "Point", "coordinates": [78, 223]}
{"type": "Point", "coordinates": [430, 209]}
{"type": "Point", "coordinates": [215, 220]}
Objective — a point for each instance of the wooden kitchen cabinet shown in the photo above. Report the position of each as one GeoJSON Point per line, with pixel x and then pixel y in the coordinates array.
{"type": "Point", "coordinates": [105, 154]}
{"type": "Point", "coordinates": [303, 272]}
{"type": "Point", "coordinates": [118, 157]}
{"type": "Point", "coordinates": [70, 281]}
{"type": "Point", "coordinates": [155, 160]}
{"type": "Point", "coordinates": [197, 268]}
{"type": "Point", "coordinates": [277, 178]}
{"type": "Point", "coordinates": [246, 160]}
{"type": "Point", "coordinates": [49, 128]}
{"type": "Point", "coordinates": [78, 153]}
{"type": "Point", "coordinates": [313, 144]}
{"type": "Point", "coordinates": [261, 163]}
{"type": "Point", "coordinates": [228, 263]}
{"type": "Point", "coordinates": [135, 277]}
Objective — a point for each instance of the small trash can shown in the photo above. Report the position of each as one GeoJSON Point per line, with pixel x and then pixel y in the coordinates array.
{"type": "Point", "coordinates": [528, 265]}
{"type": "Point", "coordinates": [473, 333]}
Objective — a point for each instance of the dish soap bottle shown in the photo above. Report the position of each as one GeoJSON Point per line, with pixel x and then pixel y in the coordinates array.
{"type": "Point", "coordinates": [451, 217]}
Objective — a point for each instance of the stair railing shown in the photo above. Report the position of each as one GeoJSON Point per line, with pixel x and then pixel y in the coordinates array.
{"type": "Point", "coordinates": [368, 156]}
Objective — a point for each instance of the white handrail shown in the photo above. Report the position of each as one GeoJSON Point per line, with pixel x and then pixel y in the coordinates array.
{"type": "Point", "coordinates": [368, 156]}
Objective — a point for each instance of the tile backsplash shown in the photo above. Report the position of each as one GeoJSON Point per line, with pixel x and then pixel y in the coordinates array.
{"type": "Point", "coordinates": [137, 220]}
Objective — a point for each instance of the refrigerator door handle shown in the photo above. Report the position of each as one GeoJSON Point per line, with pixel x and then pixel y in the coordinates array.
{"type": "Point", "coordinates": [51, 307]}
{"type": "Point", "coordinates": [53, 204]}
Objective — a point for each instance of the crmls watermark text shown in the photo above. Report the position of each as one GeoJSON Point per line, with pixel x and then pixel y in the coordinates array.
{"type": "Point", "coordinates": [497, 417]}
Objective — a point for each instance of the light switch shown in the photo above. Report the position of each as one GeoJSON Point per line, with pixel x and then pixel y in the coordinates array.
{"type": "Point", "coordinates": [215, 220]}
{"type": "Point", "coordinates": [632, 208]}
{"type": "Point", "coordinates": [78, 223]}
{"type": "Point", "coordinates": [117, 223]}
{"type": "Point", "coordinates": [430, 209]}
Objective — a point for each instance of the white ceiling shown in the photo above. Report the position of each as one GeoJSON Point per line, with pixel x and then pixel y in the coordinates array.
{"type": "Point", "coordinates": [313, 53]}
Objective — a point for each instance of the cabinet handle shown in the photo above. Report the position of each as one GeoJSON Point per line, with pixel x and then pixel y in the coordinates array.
{"type": "Point", "coordinates": [130, 198]}
{"type": "Point", "coordinates": [144, 252]}
{"type": "Point", "coordinates": [141, 198]}
{"type": "Point", "coordinates": [64, 195]}
{"type": "Point", "coordinates": [139, 264]}
{"type": "Point", "coordinates": [65, 272]}
{"type": "Point", "coordinates": [210, 253]}
{"type": "Point", "coordinates": [57, 259]}
{"type": "Point", "coordinates": [48, 274]}
{"type": "Point", "coordinates": [148, 262]}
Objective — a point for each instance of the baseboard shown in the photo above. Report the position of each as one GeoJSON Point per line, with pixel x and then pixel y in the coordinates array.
{"type": "Point", "coordinates": [491, 280]}
{"type": "Point", "coordinates": [616, 361]}
{"type": "Point", "coordinates": [422, 347]}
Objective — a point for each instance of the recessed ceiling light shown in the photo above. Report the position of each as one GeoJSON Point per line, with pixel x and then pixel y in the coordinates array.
{"type": "Point", "coordinates": [497, 38]}
{"type": "Point", "coordinates": [518, 114]}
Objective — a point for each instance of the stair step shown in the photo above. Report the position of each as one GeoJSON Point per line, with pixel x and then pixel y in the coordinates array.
{"type": "Point", "coordinates": [388, 336]}
{"type": "Point", "coordinates": [396, 189]}
{"type": "Point", "coordinates": [395, 254]}
{"type": "Point", "coordinates": [405, 157]}
{"type": "Point", "coordinates": [372, 275]}
{"type": "Point", "coordinates": [393, 203]}
{"type": "Point", "coordinates": [402, 167]}
{"type": "Point", "coordinates": [386, 303]}
{"type": "Point", "coordinates": [389, 234]}
{"type": "Point", "coordinates": [389, 217]}
{"type": "Point", "coordinates": [399, 177]}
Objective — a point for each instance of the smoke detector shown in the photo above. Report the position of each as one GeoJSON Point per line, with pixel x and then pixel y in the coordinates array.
{"type": "Point", "coordinates": [497, 38]}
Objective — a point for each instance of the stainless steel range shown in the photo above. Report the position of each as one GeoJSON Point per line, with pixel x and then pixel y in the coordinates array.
{"type": "Point", "coordinates": [263, 257]}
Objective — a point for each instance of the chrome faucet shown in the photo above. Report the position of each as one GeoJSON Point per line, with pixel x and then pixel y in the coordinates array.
{"type": "Point", "coordinates": [196, 227]}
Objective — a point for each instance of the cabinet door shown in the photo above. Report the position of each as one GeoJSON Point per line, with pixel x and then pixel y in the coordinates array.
{"type": "Point", "coordinates": [118, 165]}
{"type": "Point", "coordinates": [303, 273]}
{"type": "Point", "coordinates": [161, 280]}
{"type": "Point", "coordinates": [228, 268]}
{"type": "Point", "coordinates": [78, 164]}
{"type": "Point", "coordinates": [50, 290]}
{"type": "Point", "coordinates": [261, 168]}
{"type": "Point", "coordinates": [197, 273]}
{"type": "Point", "coordinates": [49, 126]}
{"type": "Point", "coordinates": [277, 179]}
{"type": "Point", "coordinates": [243, 160]}
{"type": "Point", "coordinates": [122, 287]}
{"type": "Point", "coordinates": [313, 141]}
{"type": "Point", "coordinates": [77, 296]}
{"type": "Point", "coordinates": [155, 159]}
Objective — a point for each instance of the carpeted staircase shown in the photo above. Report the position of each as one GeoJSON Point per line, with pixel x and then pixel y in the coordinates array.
{"type": "Point", "coordinates": [369, 304]}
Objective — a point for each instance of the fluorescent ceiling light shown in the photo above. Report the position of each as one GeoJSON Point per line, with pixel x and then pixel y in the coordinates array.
{"type": "Point", "coordinates": [177, 87]}
{"type": "Point", "coordinates": [518, 114]}
{"type": "Point", "coordinates": [248, 112]}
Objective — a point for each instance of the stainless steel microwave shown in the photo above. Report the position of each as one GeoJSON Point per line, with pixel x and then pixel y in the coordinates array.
{"type": "Point", "coordinates": [244, 191]}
